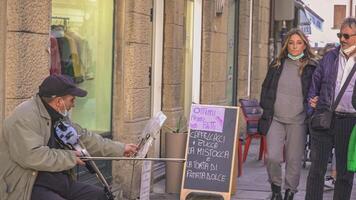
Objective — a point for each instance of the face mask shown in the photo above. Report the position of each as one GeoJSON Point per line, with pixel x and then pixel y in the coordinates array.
{"type": "Point", "coordinates": [296, 57]}
{"type": "Point", "coordinates": [65, 112]}
{"type": "Point", "coordinates": [349, 50]}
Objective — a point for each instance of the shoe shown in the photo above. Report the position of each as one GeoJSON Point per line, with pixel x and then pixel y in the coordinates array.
{"type": "Point", "coordinates": [276, 192]}
{"type": "Point", "coordinates": [329, 182]}
{"type": "Point", "coordinates": [288, 195]}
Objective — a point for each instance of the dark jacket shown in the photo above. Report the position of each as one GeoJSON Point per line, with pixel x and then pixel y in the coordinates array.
{"type": "Point", "coordinates": [269, 92]}
{"type": "Point", "coordinates": [324, 79]}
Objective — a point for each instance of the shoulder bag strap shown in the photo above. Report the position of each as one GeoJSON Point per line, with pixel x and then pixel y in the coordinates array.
{"type": "Point", "coordinates": [344, 86]}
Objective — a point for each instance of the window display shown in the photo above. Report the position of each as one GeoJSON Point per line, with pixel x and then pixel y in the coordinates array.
{"type": "Point", "coordinates": [82, 48]}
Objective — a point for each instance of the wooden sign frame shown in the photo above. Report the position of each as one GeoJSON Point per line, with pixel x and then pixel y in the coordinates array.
{"type": "Point", "coordinates": [226, 195]}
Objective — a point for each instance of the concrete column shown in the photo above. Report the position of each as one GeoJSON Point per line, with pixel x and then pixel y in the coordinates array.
{"type": "Point", "coordinates": [214, 54]}
{"type": "Point", "coordinates": [173, 65]}
{"type": "Point", "coordinates": [26, 52]}
{"type": "Point", "coordinates": [260, 34]}
{"type": "Point", "coordinates": [132, 90]}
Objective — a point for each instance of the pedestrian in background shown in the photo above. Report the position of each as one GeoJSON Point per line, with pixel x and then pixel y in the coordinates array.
{"type": "Point", "coordinates": [284, 102]}
{"type": "Point", "coordinates": [330, 179]}
{"type": "Point", "coordinates": [327, 82]}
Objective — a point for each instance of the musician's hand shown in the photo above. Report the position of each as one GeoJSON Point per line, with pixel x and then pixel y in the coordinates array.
{"type": "Point", "coordinates": [77, 159]}
{"type": "Point", "coordinates": [130, 150]}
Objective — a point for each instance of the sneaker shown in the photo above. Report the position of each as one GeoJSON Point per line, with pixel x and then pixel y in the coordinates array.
{"type": "Point", "coordinates": [329, 182]}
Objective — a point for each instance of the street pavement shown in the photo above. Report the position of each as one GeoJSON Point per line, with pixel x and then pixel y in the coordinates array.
{"type": "Point", "coordinates": [252, 185]}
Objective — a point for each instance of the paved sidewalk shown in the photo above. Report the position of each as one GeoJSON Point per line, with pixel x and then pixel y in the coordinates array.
{"type": "Point", "coordinates": [252, 185]}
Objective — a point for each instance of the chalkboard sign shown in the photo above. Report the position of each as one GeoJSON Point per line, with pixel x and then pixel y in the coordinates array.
{"type": "Point", "coordinates": [210, 151]}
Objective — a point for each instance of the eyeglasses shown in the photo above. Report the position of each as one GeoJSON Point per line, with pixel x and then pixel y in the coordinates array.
{"type": "Point", "coordinates": [345, 35]}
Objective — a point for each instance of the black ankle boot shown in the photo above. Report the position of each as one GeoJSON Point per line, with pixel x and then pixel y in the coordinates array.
{"type": "Point", "coordinates": [276, 192]}
{"type": "Point", "coordinates": [288, 195]}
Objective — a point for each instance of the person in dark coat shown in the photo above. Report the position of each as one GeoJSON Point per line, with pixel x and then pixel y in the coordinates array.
{"type": "Point", "coordinates": [285, 106]}
{"type": "Point", "coordinates": [327, 82]}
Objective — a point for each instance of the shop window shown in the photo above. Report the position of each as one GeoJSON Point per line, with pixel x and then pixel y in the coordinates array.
{"type": "Point", "coordinates": [339, 15]}
{"type": "Point", "coordinates": [82, 48]}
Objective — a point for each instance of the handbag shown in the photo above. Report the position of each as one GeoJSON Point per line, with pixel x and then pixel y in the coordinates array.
{"type": "Point", "coordinates": [351, 153]}
{"type": "Point", "coordinates": [322, 119]}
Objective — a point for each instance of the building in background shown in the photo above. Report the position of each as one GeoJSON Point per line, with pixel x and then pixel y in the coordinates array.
{"type": "Point", "coordinates": [310, 23]}
{"type": "Point", "coordinates": [289, 14]}
{"type": "Point", "coordinates": [333, 12]}
{"type": "Point", "coordinates": [135, 57]}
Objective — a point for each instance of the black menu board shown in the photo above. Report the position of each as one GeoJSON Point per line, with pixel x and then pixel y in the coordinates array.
{"type": "Point", "coordinates": [210, 151]}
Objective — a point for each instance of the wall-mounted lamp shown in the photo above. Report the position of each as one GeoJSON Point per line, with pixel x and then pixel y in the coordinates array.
{"type": "Point", "coordinates": [219, 7]}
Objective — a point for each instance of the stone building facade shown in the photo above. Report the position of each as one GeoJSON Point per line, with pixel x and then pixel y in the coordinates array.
{"type": "Point", "coordinates": [25, 59]}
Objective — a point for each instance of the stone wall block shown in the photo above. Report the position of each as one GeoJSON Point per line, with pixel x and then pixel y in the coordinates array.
{"type": "Point", "coordinates": [139, 6]}
{"type": "Point", "coordinates": [173, 97]}
{"type": "Point", "coordinates": [174, 11]}
{"type": "Point", "coordinates": [260, 66]}
{"type": "Point", "coordinates": [260, 50]}
{"type": "Point", "coordinates": [265, 15]}
{"type": "Point", "coordinates": [208, 16]}
{"type": "Point", "coordinates": [213, 22]}
{"type": "Point", "coordinates": [219, 66]}
{"type": "Point", "coordinates": [137, 104]}
{"type": "Point", "coordinates": [27, 64]}
{"type": "Point", "coordinates": [28, 15]}
{"type": "Point", "coordinates": [242, 87]}
{"type": "Point", "coordinates": [243, 63]}
{"type": "Point", "coordinates": [214, 66]}
{"type": "Point", "coordinates": [207, 38]}
{"type": "Point", "coordinates": [173, 36]}
{"type": "Point", "coordinates": [206, 92]}
{"type": "Point", "coordinates": [10, 105]}
{"type": "Point", "coordinates": [214, 42]}
{"type": "Point", "coordinates": [219, 92]}
{"type": "Point", "coordinates": [219, 42]}
{"type": "Point", "coordinates": [132, 130]}
{"type": "Point", "coordinates": [244, 8]}
{"type": "Point", "coordinates": [243, 47]}
{"type": "Point", "coordinates": [206, 71]}
{"type": "Point", "coordinates": [264, 32]}
{"type": "Point", "coordinates": [138, 28]}
{"type": "Point", "coordinates": [122, 178]}
{"type": "Point", "coordinates": [244, 24]}
{"type": "Point", "coordinates": [137, 62]}
{"type": "Point", "coordinates": [173, 66]}
{"type": "Point", "coordinates": [265, 4]}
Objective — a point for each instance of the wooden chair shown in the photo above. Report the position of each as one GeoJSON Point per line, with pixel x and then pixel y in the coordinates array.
{"type": "Point", "coordinates": [252, 112]}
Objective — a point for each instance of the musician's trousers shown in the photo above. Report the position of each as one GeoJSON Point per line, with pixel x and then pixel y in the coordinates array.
{"type": "Point", "coordinates": [65, 189]}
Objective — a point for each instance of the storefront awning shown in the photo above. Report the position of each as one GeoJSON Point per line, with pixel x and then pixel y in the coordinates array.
{"type": "Point", "coordinates": [307, 17]}
{"type": "Point", "coordinates": [303, 22]}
